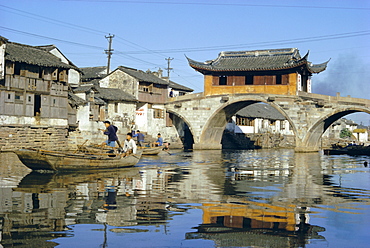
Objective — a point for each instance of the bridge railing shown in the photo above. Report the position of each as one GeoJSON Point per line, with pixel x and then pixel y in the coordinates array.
{"type": "Point", "coordinates": [336, 98]}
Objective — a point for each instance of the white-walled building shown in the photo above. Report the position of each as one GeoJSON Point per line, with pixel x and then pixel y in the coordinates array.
{"type": "Point", "coordinates": [259, 118]}
{"type": "Point", "coordinates": [96, 104]}
{"type": "Point", "coordinates": [74, 76]}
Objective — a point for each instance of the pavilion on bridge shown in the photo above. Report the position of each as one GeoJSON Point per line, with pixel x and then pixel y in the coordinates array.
{"type": "Point", "coordinates": [274, 71]}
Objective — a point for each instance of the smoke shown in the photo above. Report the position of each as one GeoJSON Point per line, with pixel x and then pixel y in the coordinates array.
{"type": "Point", "coordinates": [348, 74]}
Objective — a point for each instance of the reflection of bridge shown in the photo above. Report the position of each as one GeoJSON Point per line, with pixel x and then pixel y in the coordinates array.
{"type": "Point", "coordinates": [308, 114]}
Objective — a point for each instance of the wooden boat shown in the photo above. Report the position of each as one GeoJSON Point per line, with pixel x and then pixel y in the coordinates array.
{"type": "Point", "coordinates": [38, 159]}
{"type": "Point", "coordinates": [145, 150]}
{"type": "Point", "coordinates": [349, 150]}
{"type": "Point", "coordinates": [152, 150]}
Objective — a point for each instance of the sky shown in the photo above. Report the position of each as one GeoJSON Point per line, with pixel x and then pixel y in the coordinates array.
{"type": "Point", "coordinates": [146, 32]}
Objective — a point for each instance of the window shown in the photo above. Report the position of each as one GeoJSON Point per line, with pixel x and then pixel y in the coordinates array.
{"type": "Point", "coordinates": [158, 113]}
{"type": "Point", "coordinates": [17, 97]}
{"type": "Point", "coordinates": [249, 80]}
{"type": "Point", "coordinates": [278, 79]}
{"type": "Point", "coordinates": [41, 73]}
{"type": "Point", "coordinates": [9, 96]}
{"type": "Point", "coordinates": [116, 108]}
{"type": "Point", "coordinates": [17, 68]}
{"type": "Point", "coordinates": [242, 121]}
{"type": "Point", "coordinates": [29, 99]}
{"type": "Point", "coordinates": [265, 80]}
{"type": "Point", "coordinates": [143, 88]}
{"type": "Point", "coordinates": [222, 80]}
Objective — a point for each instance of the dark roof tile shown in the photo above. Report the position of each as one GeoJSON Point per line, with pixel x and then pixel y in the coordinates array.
{"type": "Point", "coordinates": [177, 86]}
{"type": "Point", "coordinates": [260, 110]}
{"type": "Point", "coordinates": [109, 94]}
{"type": "Point", "coordinates": [75, 100]}
{"type": "Point", "coordinates": [96, 72]}
{"type": "Point", "coordinates": [16, 52]}
{"type": "Point", "coordinates": [143, 76]}
{"type": "Point", "coordinates": [257, 60]}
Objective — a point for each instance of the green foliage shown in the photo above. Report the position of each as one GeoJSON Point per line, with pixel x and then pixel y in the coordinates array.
{"type": "Point", "coordinates": [345, 133]}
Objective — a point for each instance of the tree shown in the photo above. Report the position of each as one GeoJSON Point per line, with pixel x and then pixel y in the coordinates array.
{"type": "Point", "coordinates": [345, 133]}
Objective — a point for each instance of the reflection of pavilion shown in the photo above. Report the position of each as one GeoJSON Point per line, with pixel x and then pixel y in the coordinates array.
{"type": "Point", "coordinates": [246, 223]}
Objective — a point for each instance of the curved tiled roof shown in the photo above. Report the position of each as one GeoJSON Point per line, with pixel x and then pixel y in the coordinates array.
{"type": "Point", "coordinates": [257, 60]}
{"type": "Point", "coordinates": [16, 52]}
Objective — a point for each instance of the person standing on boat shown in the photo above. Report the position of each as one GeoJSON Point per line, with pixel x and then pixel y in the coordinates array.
{"type": "Point", "coordinates": [130, 145]}
{"type": "Point", "coordinates": [140, 138]}
{"type": "Point", "coordinates": [111, 131]}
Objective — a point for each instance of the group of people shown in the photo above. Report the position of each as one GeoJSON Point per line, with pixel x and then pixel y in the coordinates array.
{"type": "Point", "coordinates": [129, 146]}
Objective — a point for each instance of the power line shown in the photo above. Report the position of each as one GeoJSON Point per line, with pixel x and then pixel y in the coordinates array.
{"type": "Point", "coordinates": [50, 38]}
{"type": "Point", "coordinates": [48, 19]}
{"type": "Point", "coordinates": [221, 4]}
{"type": "Point", "coordinates": [270, 43]}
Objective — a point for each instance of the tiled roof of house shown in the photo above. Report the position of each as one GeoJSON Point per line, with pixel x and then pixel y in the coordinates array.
{"type": "Point", "coordinates": [93, 72]}
{"type": "Point", "coordinates": [52, 47]}
{"type": "Point", "coordinates": [75, 100]}
{"type": "Point", "coordinates": [114, 95]}
{"type": "Point", "coordinates": [109, 94]}
{"type": "Point", "coordinates": [16, 52]}
{"type": "Point", "coordinates": [260, 110]}
{"type": "Point", "coordinates": [143, 76]}
{"type": "Point", "coordinates": [177, 86]}
{"type": "Point", "coordinates": [257, 60]}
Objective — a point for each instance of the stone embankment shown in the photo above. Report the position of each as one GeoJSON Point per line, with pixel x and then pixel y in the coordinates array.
{"type": "Point", "coordinates": [16, 137]}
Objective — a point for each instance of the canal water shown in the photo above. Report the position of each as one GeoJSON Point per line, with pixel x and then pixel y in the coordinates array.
{"type": "Point", "coordinates": [256, 198]}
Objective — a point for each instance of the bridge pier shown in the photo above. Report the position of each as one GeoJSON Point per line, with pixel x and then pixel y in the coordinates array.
{"type": "Point", "coordinates": [206, 146]}
{"type": "Point", "coordinates": [305, 149]}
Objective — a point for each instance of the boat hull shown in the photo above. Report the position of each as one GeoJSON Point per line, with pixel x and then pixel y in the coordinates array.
{"type": "Point", "coordinates": [352, 150]}
{"type": "Point", "coordinates": [152, 151]}
{"type": "Point", "coordinates": [58, 161]}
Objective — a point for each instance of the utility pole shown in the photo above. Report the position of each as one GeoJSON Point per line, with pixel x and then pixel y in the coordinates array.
{"type": "Point", "coordinates": [109, 51]}
{"type": "Point", "coordinates": [168, 67]}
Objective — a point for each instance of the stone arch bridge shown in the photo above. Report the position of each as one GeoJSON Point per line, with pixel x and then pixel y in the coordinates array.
{"type": "Point", "coordinates": [308, 114]}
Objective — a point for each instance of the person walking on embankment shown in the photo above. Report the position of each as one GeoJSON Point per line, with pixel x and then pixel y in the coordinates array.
{"type": "Point", "coordinates": [111, 132]}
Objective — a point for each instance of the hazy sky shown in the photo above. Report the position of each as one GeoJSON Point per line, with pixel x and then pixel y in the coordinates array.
{"type": "Point", "coordinates": [146, 32]}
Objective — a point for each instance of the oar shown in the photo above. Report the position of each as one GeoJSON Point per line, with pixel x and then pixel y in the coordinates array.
{"type": "Point", "coordinates": [167, 152]}
{"type": "Point", "coordinates": [80, 146]}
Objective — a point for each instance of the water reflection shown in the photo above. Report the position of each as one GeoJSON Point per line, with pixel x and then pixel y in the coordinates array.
{"type": "Point", "coordinates": [250, 198]}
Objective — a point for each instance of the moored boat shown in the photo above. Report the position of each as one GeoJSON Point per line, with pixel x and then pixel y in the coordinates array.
{"type": "Point", "coordinates": [350, 150]}
{"type": "Point", "coordinates": [38, 159]}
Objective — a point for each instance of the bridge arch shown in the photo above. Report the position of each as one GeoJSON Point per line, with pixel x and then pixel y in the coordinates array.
{"type": "Point", "coordinates": [213, 130]}
{"type": "Point", "coordinates": [184, 129]}
{"type": "Point", "coordinates": [314, 134]}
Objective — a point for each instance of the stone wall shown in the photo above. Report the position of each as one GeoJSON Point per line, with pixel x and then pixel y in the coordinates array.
{"type": "Point", "coordinates": [16, 137]}
{"type": "Point", "coordinates": [256, 141]}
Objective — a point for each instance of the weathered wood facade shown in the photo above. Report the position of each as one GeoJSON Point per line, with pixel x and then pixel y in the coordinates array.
{"type": "Point", "coordinates": [33, 94]}
{"type": "Point", "coordinates": [277, 71]}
